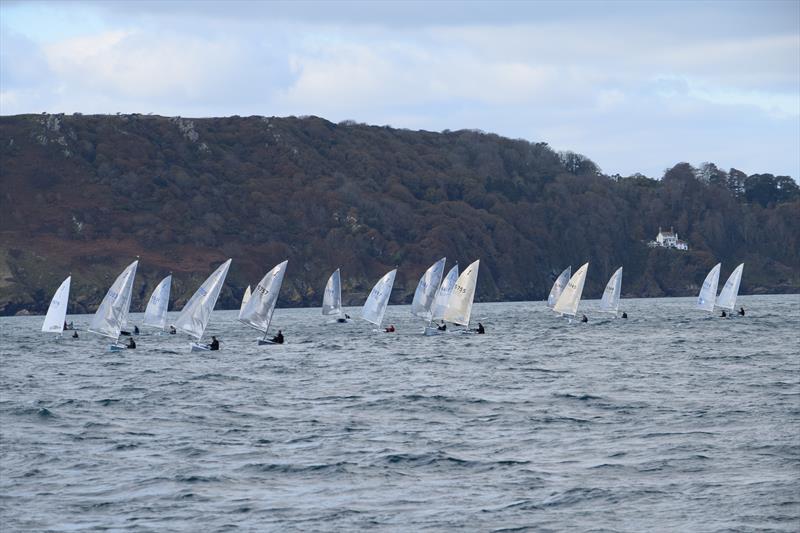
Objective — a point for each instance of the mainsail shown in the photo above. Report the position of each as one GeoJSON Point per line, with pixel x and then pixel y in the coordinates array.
{"type": "Point", "coordinates": [155, 314]}
{"type": "Point", "coordinates": [567, 303]}
{"type": "Point", "coordinates": [375, 306]}
{"type": "Point", "coordinates": [443, 294]}
{"type": "Point", "coordinates": [245, 298]}
{"type": "Point", "coordinates": [426, 290]}
{"type": "Point", "coordinates": [332, 299]}
{"type": "Point", "coordinates": [558, 286]}
{"type": "Point", "coordinates": [610, 301]}
{"type": "Point", "coordinates": [196, 313]}
{"type": "Point", "coordinates": [113, 310]}
{"type": "Point", "coordinates": [258, 311]}
{"type": "Point", "coordinates": [57, 312]}
{"type": "Point", "coordinates": [729, 292]}
{"type": "Point", "coordinates": [708, 294]}
{"type": "Point", "coordinates": [459, 306]}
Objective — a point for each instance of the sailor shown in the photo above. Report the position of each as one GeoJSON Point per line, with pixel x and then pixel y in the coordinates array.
{"type": "Point", "coordinates": [71, 326]}
{"type": "Point", "coordinates": [75, 335]}
{"type": "Point", "coordinates": [172, 330]}
{"type": "Point", "coordinates": [584, 319]}
{"type": "Point", "coordinates": [135, 330]}
{"type": "Point", "coordinates": [214, 344]}
{"type": "Point", "coordinates": [131, 344]}
{"type": "Point", "coordinates": [65, 325]}
{"type": "Point", "coordinates": [443, 327]}
{"type": "Point", "coordinates": [390, 329]}
{"type": "Point", "coordinates": [724, 314]}
{"type": "Point", "coordinates": [624, 314]}
{"type": "Point", "coordinates": [278, 339]}
{"type": "Point", "coordinates": [480, 329]}
{"type": "Point", "coordinates": [741, 311]}
{"type": "Point", "coordinates": [347, 316]}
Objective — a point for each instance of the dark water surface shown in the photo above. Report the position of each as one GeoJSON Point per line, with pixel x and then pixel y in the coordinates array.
{"type": "Point", "coordinates": [669, 421]}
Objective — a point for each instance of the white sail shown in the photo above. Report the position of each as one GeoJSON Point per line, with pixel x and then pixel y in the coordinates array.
{"type": "Point", "coordinates": [245, 298]}
{"type": "Point", "coordinates": [258, 311]}
{"type": "Point", "coordinates": [459, 306]}
{"type": "Point", "coordinates": [610, 301]}
{"type": "Point", "coordinates": [558, 286]}
{"type": "Point", "coordinates": [567, 303]}
{"type": "Point", "coordinates": [332, 299]}
{"type": "Point", "coordinates": [375, 306]}
{"type": "Point", "coordinates": [426, 290]}
{"type": "Point", "coordinates": [113, 311]}
{"type": "Point", "coordinates": [155, 314]}
{"type": "Point", "coordinates": [708, 294]}
{"type": "Point", "coordinates": [443, 294]}
{"type": "Point", "coordinates": [197, 311]}
{"type": "Point", "coordinates": [729, 292]}
{"type": "Point", "coordinates": [57, 312]}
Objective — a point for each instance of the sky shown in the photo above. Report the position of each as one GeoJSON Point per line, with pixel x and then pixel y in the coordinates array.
{"type": "Point", "coordinates": [635, 86]}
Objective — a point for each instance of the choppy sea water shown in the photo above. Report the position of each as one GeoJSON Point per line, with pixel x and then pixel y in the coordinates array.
{"type": "Point", "coordinates": [668, 421]}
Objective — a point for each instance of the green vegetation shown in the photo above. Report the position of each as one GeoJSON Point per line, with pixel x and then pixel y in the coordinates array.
{"type": "Point", "coordinates": [87, 193]}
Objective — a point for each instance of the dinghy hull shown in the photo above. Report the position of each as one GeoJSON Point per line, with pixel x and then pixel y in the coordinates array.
{"type": "Point", "coordinates": [197, 347]}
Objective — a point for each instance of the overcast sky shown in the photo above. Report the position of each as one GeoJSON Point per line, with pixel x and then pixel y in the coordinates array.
{"type": "Point", "coordinates": [635, 86]}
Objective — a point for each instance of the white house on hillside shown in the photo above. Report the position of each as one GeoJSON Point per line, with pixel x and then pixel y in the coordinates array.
{"type": "Point", "coordinates": [668, 239]}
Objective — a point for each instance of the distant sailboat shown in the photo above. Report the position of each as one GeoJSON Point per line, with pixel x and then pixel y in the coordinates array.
{"type": "Point", "coordinates": [197, 312]}
{"type": "Point", "coordinates": [441, 298]}
{"type": "Point", "coordinates": [708, 293]}
{"type": "Point", "coordinates": [729, 292]}
{"type": "Point", "coordinates": [113, 311]}
{"type": "Point", "coordinates": [257, 313]}
{"type": "Point", "coordinates": [57, 311]}
{"type": "Point", "coordinates": [332, 298]}
{"type": "Point", "coordinates": [245, 298]}
{"type": "Point", "coordinates": [425, 295]}
{"type": "Point", "coordinates": [610, 301]}
{"type": "Point", "coordinates": [375, 306]}
{"type": "Point", "coordinates": [567, 303]}
{"type": "Point", "coordinates": [155, 314]}
{"type": "Point", "coordinates": [459, 306]}
{"type": "Point", "coordinates": [558, 286]}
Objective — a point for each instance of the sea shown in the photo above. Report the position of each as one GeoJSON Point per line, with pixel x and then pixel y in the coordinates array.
{"type": "Point", "coordinates": [671, 420]}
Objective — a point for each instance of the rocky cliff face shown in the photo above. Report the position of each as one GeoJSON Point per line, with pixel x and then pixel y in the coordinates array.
{"type": "Point", "coordinates": [86, 194]}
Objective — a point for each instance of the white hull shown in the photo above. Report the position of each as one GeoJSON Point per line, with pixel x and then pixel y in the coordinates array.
{"type": "Point", "coordinates": [116, 348]}
{"type": "Point", "coordinates": [262, 342]}
{"type": "Point", "coordinates": [197, 347]}
{"type": "Point", "coordinates": [432, 331]}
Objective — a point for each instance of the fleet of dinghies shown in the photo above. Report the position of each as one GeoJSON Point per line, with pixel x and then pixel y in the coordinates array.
{"type": "Point", "coordinates": [438, 297]}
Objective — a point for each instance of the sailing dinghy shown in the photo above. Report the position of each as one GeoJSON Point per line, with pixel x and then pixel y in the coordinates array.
{"type": "Point", "coordinates": [375, 306]}
{"type": "Point", "coordinates": [440, 300]}
{"type": "Point", "coordinates": [245, 298]}
{"type": "Point", "coordinates": [332, 299]}
{"type": "Point", "coordinates": [459, 305]}
{"type": "Point", "coordinates": [196, 313]}
{"type": "Point", "coordinates": [610, 301]}
{"type": "Point", "coordinates": [558, 286]}
{"type": "Point", "coordinates": [57, 311]}
{"type": "Point", "coordinates": [729, 292]}
{"type": "Point", "coordinates": [567, 303]}
{"type": "Point", "coordinates": [257, 313]}
{"type": "Point", "coordinates": [424, 296]}
{"type": "Point", "coordinates": [708, 293]}
{"type": "Point", "coordinates": [112, 314]}
{"type": "Point", "coordinates": [155, 314]}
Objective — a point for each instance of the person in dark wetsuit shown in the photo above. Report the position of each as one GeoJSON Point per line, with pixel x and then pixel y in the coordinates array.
{"type": "Point", "coordinates": [443, 327]}
{"type": "Point", "coordinates": [724, 314]}
{"type": "Point", "coordinates": [624, 314]}
{"type": "Point", "coordinates": [135, 330]}
{"type": "Point", "coordinates": [584, 319]}
{"type": "Point", "coordinates": [390, 329]}
{"type": "Point", "coordinates": [131, 344]}
{"type": "Point", "coordinates": [481, 330]}
{"type": "Point", "coordinates": [172, 330]}
{"type": "Point", "coordinates": [278, 339]}
{"type": "Point", "coordinates": [741, 311]}
{"type": "Point", "coordinates": [214, 344]}
{"type": "Point", "coordinates": [75, 335]}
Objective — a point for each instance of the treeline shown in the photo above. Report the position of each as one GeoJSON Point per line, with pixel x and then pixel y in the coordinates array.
{"type": "Point", "coordinates": [86, 193]}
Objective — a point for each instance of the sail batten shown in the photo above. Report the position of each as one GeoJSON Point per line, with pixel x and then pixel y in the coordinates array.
{"type": "Point", "coordinates": [155, 314]}
{"type": "Point", "coordinates": [57, 311]}
{"type": "Point", "coordinates": [426, 290]}
{"type": "Point", "coordinates": [729, 292]}
{"type": "Point", "coordinates": [443, 294]}
{"type": "Point", "coordinates": [610, 301]}
{"type": "Point", "coordinates": [257, 313]}
{"type": "Point", "coordinates": [332, 298]}
{"type": "Point", "coordinates": [558, 286]}
{"type": "Point", "coordinates": [567, 303]}
{"type": "Point", "coordinates": [113, 311]}
{"type": "Point", "coordinates": [708, 293]}
{"type": "Point", "coordinates": [459, 306]}
{"type": "Point", "coordinates": [195, 315]}
{"type": "Point", "coordinates": [375, 306]}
